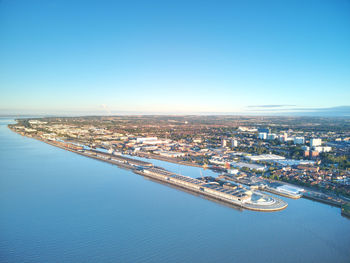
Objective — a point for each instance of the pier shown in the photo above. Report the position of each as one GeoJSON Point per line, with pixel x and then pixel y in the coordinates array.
{"type": "Point", "coordinates": [256, 201]}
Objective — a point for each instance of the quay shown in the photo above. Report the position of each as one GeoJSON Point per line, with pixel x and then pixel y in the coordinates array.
{"type": "Point", "coordinates": [256, 201]}
{"type": "Point", "coordinates": [323, 198]}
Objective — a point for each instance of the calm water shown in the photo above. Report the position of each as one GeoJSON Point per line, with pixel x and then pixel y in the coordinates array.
{"type": "Point", "coordinates": [57, 206]}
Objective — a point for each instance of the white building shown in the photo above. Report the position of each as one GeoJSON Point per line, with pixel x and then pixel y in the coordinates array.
{"type": "Point", "coordinates": [246, 129]}
{"type": "Point", "coordinates": [169, 154]}
{"type": "Point", "coordinates": [250, 166]}
{"type": "Point", "coordinates": [233, 171]}
{"type": "Point", "coordinates": [262, 135]}
{"type": "Point", "coordinates": [234, 143]}
{"type": "Point", "coordinates": [290, 189]}
{"type": "Point", "coordinates": [154, 142]}
{"type": "Point", "coordinates": [283, 137]}
{"type": "Point", "coordinates": [224, 143]}
{"type": "Point", "coordinates": [322, 149]}
{"type": "Point", "coordinates": [265, 157]}
{"type": "Point", "coordinates": [145, 139]}
{"type": "Point", "coordinates": [37, 122]}
{"type": "Point", "coordinates": [299, 140]}
{"type": "Point", "coordinates": [315, 142]}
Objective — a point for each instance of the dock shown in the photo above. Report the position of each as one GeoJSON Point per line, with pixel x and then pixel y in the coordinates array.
{"type": "Point", "coordinates": [256, 201]}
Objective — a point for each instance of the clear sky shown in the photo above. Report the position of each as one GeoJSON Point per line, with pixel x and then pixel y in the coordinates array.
{"type": "Point", "coordinates": [173, 56]}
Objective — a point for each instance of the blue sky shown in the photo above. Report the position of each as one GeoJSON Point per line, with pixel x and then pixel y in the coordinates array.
{"type": "Point", "coordinates": [173, 56]}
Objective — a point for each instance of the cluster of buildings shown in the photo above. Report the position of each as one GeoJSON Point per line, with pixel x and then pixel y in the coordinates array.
{"type": "Point", "coordinates": [313, 176]}
{"type": "Point", "coordinates": [239, 150]}
{"type": "Point", "coordinates": [315, 148]}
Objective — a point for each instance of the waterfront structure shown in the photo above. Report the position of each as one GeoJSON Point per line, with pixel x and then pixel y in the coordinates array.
{"type": "Point", "coordinates": [245, 198]}
{"type": "Point", "coordinates": [285, 190]}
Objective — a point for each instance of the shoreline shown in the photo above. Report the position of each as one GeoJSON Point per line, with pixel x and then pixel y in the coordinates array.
{"type": "Point", "coordinates": [152, 156]}
{"type": "Point", "coordinates": [237, 204]}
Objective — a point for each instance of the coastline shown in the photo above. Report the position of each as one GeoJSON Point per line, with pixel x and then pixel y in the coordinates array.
{"type": "Point", "coordinates": [276, 206]}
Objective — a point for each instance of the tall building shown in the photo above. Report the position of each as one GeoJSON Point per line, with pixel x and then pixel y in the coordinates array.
{"type": "Point", "coordinates": [224, 143]}
{"type": "Point", "coordinates": [234, 143]}
{"type": "Point", "coordinates": [283, 137]}
{"type": "Point", "coordinates": [315, 142]}
{"type": "Point", "coordinates": [262, 135]}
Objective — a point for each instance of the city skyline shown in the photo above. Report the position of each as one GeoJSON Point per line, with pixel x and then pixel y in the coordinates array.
{"type": "Point", "coordinates": [61, 57]}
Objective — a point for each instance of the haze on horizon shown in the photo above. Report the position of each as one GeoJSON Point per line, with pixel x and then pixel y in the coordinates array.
{"type": "Point", "coordinates": [110, 57]}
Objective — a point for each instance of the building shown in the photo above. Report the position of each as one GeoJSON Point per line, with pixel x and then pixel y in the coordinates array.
{"type": "Point", "coordinates": [271, 136]}
{"type": "Point", "coordinates": [290, 189]}
{"type": "Point", "coordinates": [224, 143]}
{"type": "Point", "coordinates": [322, 149]}
{"type": "Point", "coordinates": [169, 154]}
{"type": "Point", "coordinates": [234, 143]}
{"type": "Point", "coordinates": [250, 166]}
{"type": "Point", "coordinates": [246, 129]}
{"type": "Point", "coordinates": [265, 157]}
{"type": "Point", "coordinates": [262, 135]}
{"type": "Point", "coordinates": [299, 140]}
{"type": "Point", "coordinates": [315, 142]}
{"type": "Point", "coordinates": [154, 142]}
{"type": "Point", "coordinates": [145, 139]}
{"type": "Point", "coordinates": [292, 162]}
{"type": "Point", "coordinates": [233, 171]}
